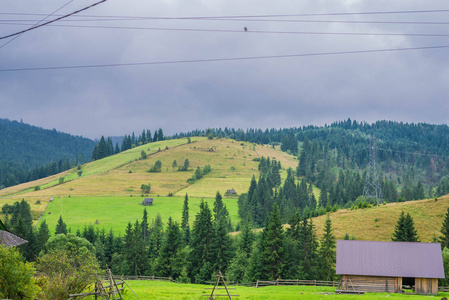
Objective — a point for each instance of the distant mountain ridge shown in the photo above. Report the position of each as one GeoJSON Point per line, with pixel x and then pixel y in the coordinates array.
{"type": "Point", "coordinates": [29, 152]}
{"type": "Point", "coordinates": [36, 146]}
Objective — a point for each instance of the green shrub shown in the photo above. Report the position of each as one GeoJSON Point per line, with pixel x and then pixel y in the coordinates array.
{"type": "Point", "coordinates": [64, 272]}
{"type": "Point", "coordinates": [17, 279]}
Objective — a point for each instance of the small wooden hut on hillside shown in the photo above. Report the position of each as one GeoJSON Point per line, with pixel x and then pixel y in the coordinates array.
{"type": "Point", "coordinates": [385, 266]}
{"type": "Point", "coordinates": [147, 201]}
{"type": "Point", "coordinates": [231, 192]}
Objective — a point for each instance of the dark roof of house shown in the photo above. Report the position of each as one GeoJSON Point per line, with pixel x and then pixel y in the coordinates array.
{"type": "Point", "coordinates": [395, 259]}
{"type": "Point", "coordinates": [10, 240]}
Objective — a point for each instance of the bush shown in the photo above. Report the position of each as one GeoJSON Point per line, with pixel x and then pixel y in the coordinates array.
{"type": "Point", "coordinates": [65, 272]}
{"type": "Point", "coordinates": [146, 188]}
{"type": "Point", "coordinates": [156, 168]}
{"type": "Point", "coordinates": [16, 276]}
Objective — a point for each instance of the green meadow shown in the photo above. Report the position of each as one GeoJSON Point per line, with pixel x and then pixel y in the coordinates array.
{"type": "Point", "coordinates": [117, 212]}
{"type": "Point", "coordinates": [166, 290]}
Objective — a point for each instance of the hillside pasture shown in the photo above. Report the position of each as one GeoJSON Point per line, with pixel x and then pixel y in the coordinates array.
{"type": "Point", "coordinates": [377, 223]}
{"type": "Point", "coordinates": [115, 212]}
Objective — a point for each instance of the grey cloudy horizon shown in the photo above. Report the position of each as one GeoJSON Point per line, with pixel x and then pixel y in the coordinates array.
{"type": "Point", "coordinates": [404, 86]}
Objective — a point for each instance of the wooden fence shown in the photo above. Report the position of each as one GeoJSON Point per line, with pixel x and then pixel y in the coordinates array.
{"type": "Point", "coordinates": [284, 282]}
{"type": "Point", "coordinates": [129, 277]}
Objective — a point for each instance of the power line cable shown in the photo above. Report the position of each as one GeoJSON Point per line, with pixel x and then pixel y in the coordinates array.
{"type": "Point", "coordinates": [252, 31]}
{"type": "Point", "coordinates": [224, 59]}
{"type": "Point", "coordinates": [49, 22]}
{"type": "Point", "coordinates": [40, 21]}
{"type": "Point", "coordinates": [249, 20]}
{"type": "Point", "coordinates": [262, 16]}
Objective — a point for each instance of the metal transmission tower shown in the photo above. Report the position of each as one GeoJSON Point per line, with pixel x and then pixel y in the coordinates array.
{"type": "Point", "coordinates": [372, 192]}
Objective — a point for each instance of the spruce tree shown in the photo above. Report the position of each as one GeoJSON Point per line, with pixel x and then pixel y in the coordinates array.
{"type": "Point", "coordinates": [444, 240]}
{"type": "Point", "coordinates": [169, 261]}
{"type": "Point", "coordinates": [155, 242]}
{"type": "Point", "coordinates": [61, 227]}
{"type": "Point", "coordinates": [145, 225]}
{"type": "Point", "coordinates": [327, 252]}
{"type": "Point", "coordinates": [43, 234]}
{"type": "Point", "coordinates": [292, 247]}
{"type": "Point", "coordinates": [404, 230]}
{"type": "Point", "coordinates": [221, 249]}
{"type": "Point", "coordinates": [308, 246]}
{"type": "Point", "coordinates": [135, 254]}
{"type": "Point", "coordinates": [272, 245]}
{"type": "Point", "coordinates": [200, 265]}
{"type": "Point", "coordinates": [185, 220]}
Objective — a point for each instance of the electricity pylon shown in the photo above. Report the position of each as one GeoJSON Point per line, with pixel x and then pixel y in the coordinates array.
{"type": "Point", "coordinates": [372, 193]}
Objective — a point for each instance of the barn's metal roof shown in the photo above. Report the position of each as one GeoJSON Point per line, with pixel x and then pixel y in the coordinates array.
{"type": "Point", "coordinates": [396, 259]}
{"type": "Point", "coordinates": [10, 240]}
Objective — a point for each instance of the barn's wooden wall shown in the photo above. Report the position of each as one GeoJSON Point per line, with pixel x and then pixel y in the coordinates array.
{"type": "Point", "coordinates": [372, 283]}
{"type": "Point", "coordinates": [426, 286]}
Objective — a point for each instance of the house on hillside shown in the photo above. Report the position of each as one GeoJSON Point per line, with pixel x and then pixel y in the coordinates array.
{"type": "Point", "coordinates": [8, 239]}
{"type": "Point", "coordinates": [231, 192]}
{"type": "Point", "coordinates": [385, 266]}
{"type": "Point", "coordinates": [147, 201]}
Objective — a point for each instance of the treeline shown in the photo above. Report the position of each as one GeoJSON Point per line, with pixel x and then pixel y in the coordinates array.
{"type": "Point", "coordinates": [28, 153]}
{"type": "Point", "coordinates": [402, 148]}
{"type": "Point", "coordinates": [105, 147]}
{"type": "Point", "coordinates": [16, 173]}
{"type": "Point", "coordinates": [196, 254]}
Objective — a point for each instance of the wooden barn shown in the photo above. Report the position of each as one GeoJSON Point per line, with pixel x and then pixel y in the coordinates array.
{"type": "Point", "coordinates": [147, 201]}
{"type": "Point", "coordinates": [386, 266]}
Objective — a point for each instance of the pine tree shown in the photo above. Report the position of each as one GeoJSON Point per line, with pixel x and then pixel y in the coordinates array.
{"type": "Point", "coordinates": [444, 240]}
{"type": "Point", "coordinates": [221, 249]}
{"type": "Point", "coordinates": [155, 242]}
{"type": "Point", "coordinates": [404, 230]}
{"type": "Point", "coordinates": [272, 245]}
{"type": "Point", "coordinates": [292, 247]}
{"type": "Point", "coordinates": [200, 266]}
{"type": "Point", "coordinates": [169, 261]}
{"type": "Point", "coordinates": [308, 245]}
{"type": "Point", "coordinates": [135, 254]}
{"type": "Point", "coordinates": [185, 220]}
{"type": "Point", "coordinates": [145, 225]}
{"type": "Point", "coordinates": [246, 239]}
{"type": "Point", "coordinates": [327, 252]}
{"type": "Point", "coordinates": [43, 234]}
{"type": "Point", "coordinates": [61, 227]}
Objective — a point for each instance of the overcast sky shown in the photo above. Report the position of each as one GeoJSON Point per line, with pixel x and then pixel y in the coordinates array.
{"type": "Point", "coordinates": [408, 86]}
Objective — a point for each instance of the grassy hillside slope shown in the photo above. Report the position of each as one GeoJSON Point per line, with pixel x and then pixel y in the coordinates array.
{"type": "Point", "coordinates": [109, 189]}
{"type": "Point", "coordinates": [377, 223]}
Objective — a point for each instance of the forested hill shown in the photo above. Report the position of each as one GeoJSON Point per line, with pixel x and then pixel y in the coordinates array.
{"type": "Point", "coordinates": [25, 148]}
{"type": "Point", "coordinates": [408, 153]}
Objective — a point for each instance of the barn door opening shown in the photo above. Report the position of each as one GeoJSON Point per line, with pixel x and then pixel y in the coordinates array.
{"type": "Point", "coordinates": [408, 283]}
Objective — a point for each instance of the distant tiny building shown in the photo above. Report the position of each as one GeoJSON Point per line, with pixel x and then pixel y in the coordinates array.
{"type": "Point", "coordinates": [231, 192]}
{"type": "Point", "coordinates": [147, 201]}
{"type": "Point", "coordinates": [385, 266]}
